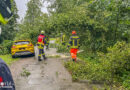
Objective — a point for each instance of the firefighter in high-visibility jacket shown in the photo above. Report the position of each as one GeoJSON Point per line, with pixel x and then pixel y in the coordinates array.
{"type": "Point", "coordinates": [74, 45]}
{"type": "Point", "coordinates": [41, 43]}
{"type": "Point", "coordinates": [47, 42]}
{"type": "Point", "coordinates": [63, 39]}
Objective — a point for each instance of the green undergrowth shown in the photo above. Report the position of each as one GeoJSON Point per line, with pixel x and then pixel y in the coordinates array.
{"type": "Point", "coordinates": [8, 59]}
{"type": "Point", "coordinates": [5, 47]}
{"type": "Point", "coordinates": [52, 45]}
{"type": "Point", "coordinates": [111, 68]}
{"type": "Point", "coordinates": [52, 39]}
{"type": "Point", "coordinates": [62, 49]}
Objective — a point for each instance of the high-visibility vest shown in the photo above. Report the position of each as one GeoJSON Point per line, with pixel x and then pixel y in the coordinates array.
{"type": "Point", "coordinates": [74, 41]}
{"type": "Point", "coordinates": [41, 41]}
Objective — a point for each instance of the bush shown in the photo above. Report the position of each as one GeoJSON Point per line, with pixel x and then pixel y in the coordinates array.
{"type": "Point", "coordinates": [86, 71]}
{"type": "Point", "coordinates": [116, 61]}
{"type": "Point", "coordinates": [52, 45]}
{"type": "Point", "coordinates": [111, 68]}
{"type": "Point", "coordinates": [22, 36]}
{"type": "Point", "coordinates": [5, 47]}
{"type": "Point", "coordinates": [62, 49]}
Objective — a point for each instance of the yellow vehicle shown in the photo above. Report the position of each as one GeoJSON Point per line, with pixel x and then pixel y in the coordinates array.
{"type": "Point", "coordinates": [22, 47]}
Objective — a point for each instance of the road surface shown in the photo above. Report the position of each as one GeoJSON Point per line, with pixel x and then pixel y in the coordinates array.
{"type": "Point", "coordinates": [45, 75]}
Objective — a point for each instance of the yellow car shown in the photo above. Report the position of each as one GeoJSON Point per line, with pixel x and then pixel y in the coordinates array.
{"type": "Point", "coordinates": [22, 47]}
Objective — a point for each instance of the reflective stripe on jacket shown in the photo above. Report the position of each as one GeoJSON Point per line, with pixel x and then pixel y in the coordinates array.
{"type": "Point", "coordinates": [74, 41]}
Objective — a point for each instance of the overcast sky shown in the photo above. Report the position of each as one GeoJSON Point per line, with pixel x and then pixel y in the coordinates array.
{"type": "Point", "coordinates": [22, 7]}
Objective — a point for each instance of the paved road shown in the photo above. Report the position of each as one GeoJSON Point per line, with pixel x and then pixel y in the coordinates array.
{"type": "Point", "coordinates": [45, 75]}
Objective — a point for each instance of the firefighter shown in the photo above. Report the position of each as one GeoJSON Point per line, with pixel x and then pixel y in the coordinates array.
{"type": "Point", "coordinates": [63, 39]}
{"type": "Point", "coordinates": [41, 43]}
{"type": "Point", "coordinates": [74, 45]}
{"type": "Point", "coordinates": [47, 42]}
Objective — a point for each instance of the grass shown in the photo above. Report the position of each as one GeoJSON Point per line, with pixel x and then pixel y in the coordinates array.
{"type": "Point", "coordinates": [8, 59]}
{"type": "Point", "coordinates": [52, 38]}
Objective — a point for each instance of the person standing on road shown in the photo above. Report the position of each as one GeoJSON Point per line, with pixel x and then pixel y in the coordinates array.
{"type": "Point", "coordinates": [41, 42]}
{"type": "Point", "coordinates": [63, 39]}
{"type": "Point", "coordinates": [74, 45]}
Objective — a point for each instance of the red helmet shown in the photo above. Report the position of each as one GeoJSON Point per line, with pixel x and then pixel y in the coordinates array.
{"type": "Point", "coordinates": [73, 32]}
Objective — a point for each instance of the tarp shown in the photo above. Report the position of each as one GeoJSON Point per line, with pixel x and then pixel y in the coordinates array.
{"type": "Point", "coordinates": [6, 80]}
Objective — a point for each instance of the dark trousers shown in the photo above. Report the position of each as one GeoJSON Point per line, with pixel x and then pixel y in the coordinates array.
{"type": "Point", "coordinates": [41, 53]}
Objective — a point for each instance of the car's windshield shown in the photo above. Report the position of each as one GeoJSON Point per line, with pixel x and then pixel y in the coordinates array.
{"type": "Point", "coordinates": [21, 42]}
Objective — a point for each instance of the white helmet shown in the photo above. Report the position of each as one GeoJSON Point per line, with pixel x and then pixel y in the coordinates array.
{"type": "Point", "coordinates": [42, 32]}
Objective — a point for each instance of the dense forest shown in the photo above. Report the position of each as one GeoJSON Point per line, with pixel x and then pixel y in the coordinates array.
{"type": "Point", "coordinates": [102, 25]}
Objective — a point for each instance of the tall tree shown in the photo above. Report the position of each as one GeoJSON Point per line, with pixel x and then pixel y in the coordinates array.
{"type": "Point", "coordinates": [29, 29]}
{"type": "Point", "coordinates": [33, 11]}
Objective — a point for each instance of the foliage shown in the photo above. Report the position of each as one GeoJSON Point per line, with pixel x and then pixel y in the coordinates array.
{"type": "Point", "coordinates": [5, 47]}
{"type": "Point", "coordinates": [8, 58]}
{"type": "Point", "coordinates": [33, 11]}
{"type": "Point", "coordinates": [99, 24]}
{"type": "Point", "coordinates": [32, 23]}
{"type": "Point", "coordinates": [51, 45]}
{"type": "Point", "coordinates": [62, 49]}
{"type": "Point", "coordinates": [112, 67]}
{"type": "Point", "coordinates": [117, 62]}
{"type": "Point", "coordinates": [25, 73]}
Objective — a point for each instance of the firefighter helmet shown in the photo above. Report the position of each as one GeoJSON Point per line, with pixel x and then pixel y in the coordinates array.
{"type": "Point", "coordinates": [42, 32]}
{"type": "Point", "coordinates": [73, 32]}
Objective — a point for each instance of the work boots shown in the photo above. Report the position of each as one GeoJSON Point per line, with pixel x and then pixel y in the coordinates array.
{"type": "Point", "coordinates": [44, 57]}
{"type": "Point", "coordinates": [39, 58]}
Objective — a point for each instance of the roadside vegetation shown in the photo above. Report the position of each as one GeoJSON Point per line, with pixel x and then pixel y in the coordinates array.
{"type": "Point", "coordinates": [110, 68]}
{"type": "Point", "coordinates": [103, 28]}
{"type": "Point", "coordinates": [8, 59]}
{"type": "Point", "coordinates": [7, 36]}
